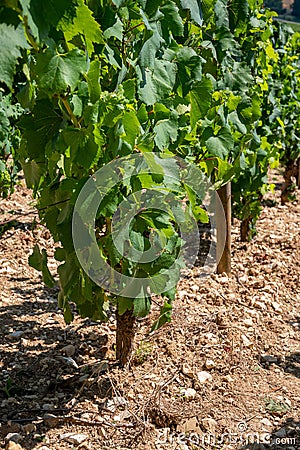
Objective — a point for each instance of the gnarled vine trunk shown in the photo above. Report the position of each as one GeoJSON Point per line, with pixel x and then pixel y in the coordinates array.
{"type": "Point", "coordinates": [224, 254]}
{"type": "Point", "coordinates": [126, 327]}
{"type": "Point", "coordinates": [245, 230]}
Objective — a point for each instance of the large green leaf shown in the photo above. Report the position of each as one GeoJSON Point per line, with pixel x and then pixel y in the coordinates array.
{"type": "Point", "coordinates": [222, 19]}
{"type": "Point", "coordinates": [12, 40]}
{"type": "Point", "coordinates": [154, 85]}
{"type": "Point", "coordinates": [57, 72]}
{"type": "Point", "coordinates": [39, 128]}
{"type": "Point", "coordinates": [93, 79]}
{"type": "Point", "coordinates": [218, 144]}
{"type": "Point", "coordinates": [82, 146]}
{"type": "Point", "coordinates": [195, 9]}
{"type": "Point", "coordinates": [172, 20]}
{"type": "Point", "coordinates": [150, 48]}
{"type": "Point", "coordinates": [200, 97]}
{"type": "Point", "coordinates": [165, 131]}
{"type": "Point", "coordinates": [238, 77]}
{"type": "Point", "coordinates": [82, 24]}
{"type": "Point", "coordinates": [131, 126]}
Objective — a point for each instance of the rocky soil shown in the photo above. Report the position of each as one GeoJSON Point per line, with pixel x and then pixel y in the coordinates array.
{"type": "Point", "coordinates": [225, 374]}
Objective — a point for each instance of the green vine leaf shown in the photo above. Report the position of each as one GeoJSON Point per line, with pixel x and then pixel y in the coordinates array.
{"type": "Point", "coordinates": [12, 40]}
{"type": "Point", "coordinates": [58, 72]}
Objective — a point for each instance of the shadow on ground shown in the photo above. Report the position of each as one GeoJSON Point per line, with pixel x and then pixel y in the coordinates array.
{"type": "Point", "coordinates": [37, 375]}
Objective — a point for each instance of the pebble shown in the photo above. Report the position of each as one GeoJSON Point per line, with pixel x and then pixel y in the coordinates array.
{"type": "Point", "coordinates": [223, 280]}
{"type": "Point", "coordinates": [47, 406]}
{"type": "Point", "coordinates": [190, 393]}
{"type": "Point", "coordinates": [276, 306]}
{"type": "Point", "coordinates": [229, 379]}
{"type": "Point", "coordinates": [29, 428]}
{"type": "Point", "coordinates": [69, 361]}
{"type": "Point", "coordinates": [93, 336]}
{"type": "Point", "coordinates": [281, 433]}
{"type": "Point", "coordinates": [203, 377]}
{"type": "Point", "coordinates": [73, 438]}
{"type": "Point", "coordinates": [69, 350]}
{"type": "Point", "coordinates": [182, 294]}
{"type": "Point", "coordinates": [209, 364]}
{"type": "Point", "coordinates": [209, 424]}
{"type": "Point", "coordinates": [191, 425]}
{"type": "Point", "coordinates": [266, 422]}
{"type": "Point", "coordinates": [15, 334]}
{"type": "Point", "coordinates": [258, 304]}
{"type": "Point", "coordinates": [9, 401]}
{"type": "Point", "coordinates": [187, 370]}
{"type": "Point", "coordinates": [14, 437]}
{"type": "Point", "coordinates": [246, 341]}
{"type": "Point", "coordinates": [13, 446]}
{"type": "Point", "coordinates": [51, 420]}
{"type": "Point", "coordinates": [248, 322]}
{"type": "Point", "coordinates": [269, 359]}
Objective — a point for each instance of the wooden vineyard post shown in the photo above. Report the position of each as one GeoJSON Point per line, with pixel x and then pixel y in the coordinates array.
{"type": "Point", "coordinates": [224, 255]}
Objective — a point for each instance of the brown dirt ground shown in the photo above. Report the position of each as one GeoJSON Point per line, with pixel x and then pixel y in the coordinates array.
{"type": "Point", "coordinates": [243, 331]}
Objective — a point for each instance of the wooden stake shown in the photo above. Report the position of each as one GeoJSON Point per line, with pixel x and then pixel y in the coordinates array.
{"type": "Point", "coordinates": [224, 255]}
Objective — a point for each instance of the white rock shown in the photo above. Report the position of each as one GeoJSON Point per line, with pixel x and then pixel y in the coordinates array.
{"type": "Point", "coordinates": [69, 350]}
{"type": "Point", "coordinates": [14, 437]}
{"type": "Point", "coordinates": [183, 294]}
{"type": "Point", "coordinates": [203, 377]}
{"type": "Point", "coordinates": [209, 364]}
{"type": "Point", "coordinates": [223, 280]}
{"type": "Point", "coordinates": [68, 360]}
{"type": "Point", "coordinates": [248, 322]}
{"type": "Point", "coordinates": [276, 306]}
{"type": "Point", "coordinates": [246, 341]}
{"type": "Point", "coordinates": [266, 422]}
{"type": "Point", "coordinates": [195, 288]}
{"type": "Point", "coordinates": [229, 379]}
{"type": "Point", "coordinates": [187, 370]}
{"type": "Point", "coordinates": [190, 393]}
{"type": "Point", "coordinates": [73, 438]}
